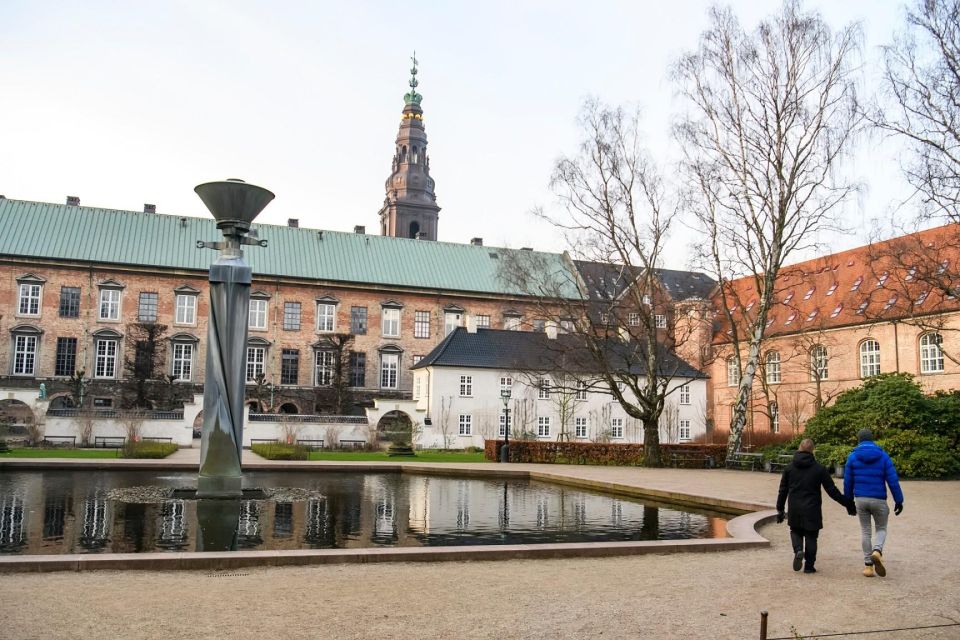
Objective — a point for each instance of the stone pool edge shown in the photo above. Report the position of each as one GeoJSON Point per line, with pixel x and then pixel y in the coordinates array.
{"type": "Point", "coordinates": [742, 529]}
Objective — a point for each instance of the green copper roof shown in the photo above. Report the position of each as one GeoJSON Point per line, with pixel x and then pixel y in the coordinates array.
{"type": "Point", "coordinates": [42, 230]}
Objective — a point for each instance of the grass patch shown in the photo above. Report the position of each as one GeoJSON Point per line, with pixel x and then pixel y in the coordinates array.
{"type": "Point", "coordinates": [148, 449]}
{"type": "Point", "coordinates": [59, 453]}
{"type": "Point", "coordinates": [280, 451]}
{"type": "Point", "coordinates": [427, 455]}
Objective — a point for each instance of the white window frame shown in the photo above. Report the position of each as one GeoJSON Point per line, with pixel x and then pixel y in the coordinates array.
{"type": "Point", "coordinates": [448, 326]}
{"type": "Point", "coordinates": [683, 431]}
{"type": "Point", "coordinates": [511, 323]}
{"type": "Point", "coordinates": [616, 428]}
{"type": "Point", "coordinates": [465, 425]}
{"type": "Point", "coordinates": [421, 324]}
{"type": "Point", "coordinates": [323, 367]}
{"type": "Point", "coordinates": [105, 352]}
{"type": "Point", "coordinates": [186, 309]}
{"type": "Point", "coordinates": [931, 354]}
{"type": "Point", "coordinates": [580, 427]}
{"type": "Point", "coordinates": [543, 389]}
{"type": "Point", "coordinates": [684, 393]}
{"type": "Point", "coordinates": [483, 321]}
{"type": "Point", "coordinates": [581, 392]}
{"type": "Point", "coordinates": [660, 321]}
{"type": "Point", "coordinates": [257, 318]}
{"type": "Point", "coordinates": [869, 358]}
{"type": "Point", "coordinates": [819, 363]}
{"type": "Point", "coordinates": [389, 370]}
{"type": "Point", "coordinates": [733, 372]}
{"type": "Point", "coordinates": [109, 307]}
{"type": "Point", "coordinates": [182, 366]}
{"type": "Point", "coordinates": [466, 386]}
{"type": "Point", "coordinates": [256, 362]}
{"type": "Point", "coordinates": [774, 410]}
{"type": "Point", "coordinates": [772, 367]}
{"type": "Point", "coordinates": [543, 426]}
{"type": "Point", "coordinates": [29, 295]}
{"type": "Point", "coordinates": [390, 322]}
{"type": "Point", "coordinates": [506, 384]}
{"type": "Point", "coordinates": [25, 347]}
{"type": "Point", "coordinates": [633, 319]}
{"type": "Point", "coordinates": [326, 317]}
{"type": "Point", "coordinates": [504, 420]}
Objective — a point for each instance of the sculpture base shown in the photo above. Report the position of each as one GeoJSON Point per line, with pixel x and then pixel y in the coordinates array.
{"type": "Point", "coordinates": [219, 486]}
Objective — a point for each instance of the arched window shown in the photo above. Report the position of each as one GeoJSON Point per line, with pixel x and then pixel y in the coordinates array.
{"type": "Point", "coordinates": [931, 355]}
{"type": "Point", "coordinates": [403, 153]}
{"type": "Point", "coordinates": [869, 358]}
{"type": "Point", "coordinates": [733, 372]}
{"type": "Point", "coordinates": [773, 367]}
{"type": "Point", "coordinates": [414, 229]}
{"type": "Point", "coordinates": [819, 363]}
{"type": "Point", "coordinates": [416, 156]}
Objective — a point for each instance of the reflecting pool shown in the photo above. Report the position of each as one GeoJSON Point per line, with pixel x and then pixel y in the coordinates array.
{"type": "Point", "coordinates": [53, 512]}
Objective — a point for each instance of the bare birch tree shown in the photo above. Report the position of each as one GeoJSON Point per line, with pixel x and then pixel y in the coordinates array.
{"type": "Point", "coordinates": [771, 113]}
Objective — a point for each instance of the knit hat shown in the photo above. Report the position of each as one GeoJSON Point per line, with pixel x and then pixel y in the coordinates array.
{"type": "Point", "coordinates": [864, 434]}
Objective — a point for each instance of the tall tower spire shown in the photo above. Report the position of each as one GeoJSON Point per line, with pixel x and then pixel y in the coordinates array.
{"type": "Point", "coordinates": [410, 208]}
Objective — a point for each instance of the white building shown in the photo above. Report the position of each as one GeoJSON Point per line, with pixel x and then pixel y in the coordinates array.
{"type": "Point", "coordinates": [459, 387]}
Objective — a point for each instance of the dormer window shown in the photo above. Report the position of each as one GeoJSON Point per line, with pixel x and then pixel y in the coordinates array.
{"type": "Point", "coordinates": [921, 298]}
{"type": "Point", "coordinates": [812, 315]}
{"type": "Point", "coordinates": [862, 308]}
{"type": "Point", "coordinates": [892, 301]}
{"type": "Point", "coordinates": [750, 306]}
{"type": "Point", "coordinates": [882, 280]}
{"type": "Point", "coordinates": [788, 298]}
{"type": "Point", "coordinates": [832, 288]}
{"type": "Point", "coordinates": [770, 322]}
{"type": "Point", "coordinates": [943, 267]}
{"type": "Point", "coordinates": [911, 273]}
{"type": "Point", "coordinates": [809, 293]}
{"type": "Point", "coordinates": [792, 317]}
{"type": "Point", "coordinates": [837, 311]}
{"type": "Point", "coordinates": [857, 283]}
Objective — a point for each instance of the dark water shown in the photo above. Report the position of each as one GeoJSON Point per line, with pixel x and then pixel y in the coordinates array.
{"type": "Point", "coordinates": [71, 512]}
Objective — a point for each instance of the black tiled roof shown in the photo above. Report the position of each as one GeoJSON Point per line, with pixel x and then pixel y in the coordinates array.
{"type": "Point", "coordinates": [607, 281]}
{"type": "Point", "coordinates": [534, 351]}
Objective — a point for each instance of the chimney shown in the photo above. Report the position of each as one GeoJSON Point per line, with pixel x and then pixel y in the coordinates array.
{"type": "Point", "coordinates": [471, 324]}
{"type": "Point", "coordinates": [359, 228]}
{"type": "Point", "coordinates": [477, 242]}
{"type": "Point", "coordinates": [551, 329]}
{"type": "Point", "coordinates": [73, 201]}
{"type": "Point", "coordinates": [149, 208]}
{"type": "Point", "coordinates": [419, 236]}
{"type": "Point", "coordinates": [293, 223]}
{"type": "Point", "coordinates": [526, 248]}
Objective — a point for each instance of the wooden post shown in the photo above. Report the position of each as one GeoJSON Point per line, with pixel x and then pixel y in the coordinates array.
{"type": "Point", "coordinates": [763, 625]}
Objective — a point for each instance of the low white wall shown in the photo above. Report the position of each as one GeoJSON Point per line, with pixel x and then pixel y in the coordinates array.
{"type": "Point", "coordinates": [330, 433]}
{"type": "Point", "coordinates": [179, 430]}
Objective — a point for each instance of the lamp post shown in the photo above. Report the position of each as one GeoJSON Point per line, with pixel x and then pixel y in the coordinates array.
{"type": "Point", "coordinates": [234, 204]}
{"type": "Point", "coordinates": [505, 449]}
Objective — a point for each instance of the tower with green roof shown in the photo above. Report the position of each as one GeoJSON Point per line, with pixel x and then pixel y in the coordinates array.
{"type": "Point", "coordinates": [410, 208]}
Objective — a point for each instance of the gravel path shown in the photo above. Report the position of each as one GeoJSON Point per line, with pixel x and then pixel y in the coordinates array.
{"type": "Point", "coordinates": [711, 595]}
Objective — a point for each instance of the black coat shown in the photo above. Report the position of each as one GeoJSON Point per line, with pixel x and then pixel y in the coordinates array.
{"type": "Point", "coordinates": [800, 491]}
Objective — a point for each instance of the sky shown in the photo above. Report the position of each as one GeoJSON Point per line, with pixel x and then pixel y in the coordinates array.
{"type": "Point", "coordinates": [126, 103]}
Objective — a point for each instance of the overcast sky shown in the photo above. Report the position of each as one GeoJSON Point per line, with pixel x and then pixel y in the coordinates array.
{"type": "Point", "coordinates": [122, 103]}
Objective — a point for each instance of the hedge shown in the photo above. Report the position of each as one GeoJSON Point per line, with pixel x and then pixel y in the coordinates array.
{"type": "Point", "coordinates": [626, 455]}
{"type": "Point", "coordinates": [148, 449]}
{"type": "Point", "coordinates": [281, 451]}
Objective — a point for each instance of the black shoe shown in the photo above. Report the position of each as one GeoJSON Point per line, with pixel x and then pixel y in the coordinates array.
{"type": "Point", "coordinates": [797, 560]}
{"type": "Point", "coordinates": [809, 570]}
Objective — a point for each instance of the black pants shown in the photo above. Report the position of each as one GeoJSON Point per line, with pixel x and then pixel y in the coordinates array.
{"type": "Point", "coordinates": [805, 540]}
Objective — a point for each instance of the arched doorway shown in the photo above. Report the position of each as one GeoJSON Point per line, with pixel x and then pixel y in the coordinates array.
{"type": "Point", "coordinates": [198, 425]}
{"type": "Point", "coordinates": [395, 426]}
{"type": "Point", "coordinates": [289, 408]}
{"type": "Point", "coordinates": [63, 401]}
{"type": "Point", "coordinates": [16, 417]}
{"type": "Point", "coordinates": [414, 229]}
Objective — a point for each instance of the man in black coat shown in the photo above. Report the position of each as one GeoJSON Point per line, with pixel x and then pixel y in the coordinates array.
{"type": "Point", "coordinates": [800, 488]}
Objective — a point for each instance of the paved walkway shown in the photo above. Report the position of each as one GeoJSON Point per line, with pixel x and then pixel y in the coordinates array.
{"type": "Point", "coordinates": [713, 595]}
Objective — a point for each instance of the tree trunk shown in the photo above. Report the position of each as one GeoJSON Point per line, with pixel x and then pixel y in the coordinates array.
{"type": "Point", "coordinates": [651, 444]}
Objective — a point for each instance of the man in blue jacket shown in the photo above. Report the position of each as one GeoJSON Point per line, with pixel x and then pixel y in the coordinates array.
{"type": "Point", "coordinates": [866, 476]}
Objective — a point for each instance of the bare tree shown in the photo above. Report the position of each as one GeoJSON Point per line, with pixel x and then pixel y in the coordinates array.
{"type": "Point", "coordinates": [522, 418]}
{"type": "Point", "coordinates": [85, 424]}
{"type": "Point", "coordinates": [670, 423]}
{"type": "Point", "coordinates": [145, 361]}
{"type": "Point", "coordinates": [770, 115]}
{"type": "Point", "coordinates": [333, 391]}
{"type": "Point", "coordinates": [615, 213]}
{"type": "Point", "coordinates": [443, 420]}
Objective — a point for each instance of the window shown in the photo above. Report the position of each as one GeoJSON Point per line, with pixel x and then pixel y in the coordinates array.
{"type": "Point", "coordinates": [604, 317]}
{"type": "Point", "coordinates": [616, 427]}
{"type": "Point", "coordinates": [543, 389]}
{"type": "Point", "coordinates": [466, 424]}
{"type": "Point", "coordinates": [183, 360]}
{"type": "Point", "coordinates": [539, 325]}
{"type": "Point", "coordinates": [911, 274]}
{"type": "Point", "coordinates": [580, 427]}
{"type": "Point", "coordinates": [684, 431]}
{"type": "Point", "coordinates": [660, 321]}
{"type": "Point", "coordinates": [29, 302]}
{"type": "Point", "coordinates": [504, 420]}
{"type": "Point", "coordinates": [255, 362]}
{"type": "Point", "coordinates": [774, 417]}
{"type": "Point", "coordinates": [105, 358]}
{"type": "Point", "coordinates": [186, 309]}
{"type": "Point", "coordinates": [566, 326]}
{"type": "Point", "coordinates": [832, 288]}
{"type": "Point", "coordinates": [733, 372]}
{"type": "Point", "coordinates": [581, 391]}
{"type": "Point", "coordinates": [110, 305]}
{"type": "Point", "coordinates": [483, 321]}
{"type": "Point", "coordinates": [421, 324]}
{"type": "Point", "coordinates": [869, 358]}
{"type": "Point", "coordinates": [633, 319]}
{"type": "Point", "coordinates": [24, 354]}
{"type": "Point", "coordinates": [543, 427]}
{"type": "Point", "coordinates": [857, 283]}
{"type": "Point", "coordinates": [837, 310]}
{"type": "Point", "coordinates": [773, 367]}
{"type": "Point", "coordinates": [506, 384]}
{"type": "Point", "coordinates": [290, 365]}
{"type": "Point", "coordinates": [511, 323]}
{"type": "Point", "coordinates": [389, 370]}
{"type": "Point", "coordinates": [921, 298]}
{"type": "Point", "coordinates": [358, 369]}
{"type": "Point", "coordinates": [415, 359]}
{"type": "Point", "coordinates": [291, 316]}
{"type": "Point", "coordinates": [324, 368]}
{"type": "Point", "coordinates": [862, 307]}
{"type": "Point", "coordinates": [326, 316]}
{"type": "Point", "coordinates": [358, 321]}
{"type": "Point", "coordinates": [391, 322]}
{"type": "Point", "coordinates": [450, 322]}
{"type": "Point", "coordinates": [466, 386]}
{"type": "Point", "coordinates": [882, 279]}
{"type": "Point", "coordinates": [812, 315]}
{"type": "Point", "coordinates": [258, 314]}
{"type": "Point", "coordinates": [646, 299]}
{"type": "Point", "coordinates": [69, 302]}
{"type": "Point", "coordinates": [819, 363]}
{"type": "Point", "coordinates": [788, 298]}
{"type": "Point", "coordinates": [66, 361]}
{"type": "Point", "coordinates": [685, 394]}
{"type": "Point", "coordinates": [809, 293]}
{"type": "Point", "coordinates": [931, 355]}
{"type": "Point", "coordinates": [146, 308]}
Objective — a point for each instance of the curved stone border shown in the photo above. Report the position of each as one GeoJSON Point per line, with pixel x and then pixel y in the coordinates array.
{"type": "Point", "coordinates": [742, 530]}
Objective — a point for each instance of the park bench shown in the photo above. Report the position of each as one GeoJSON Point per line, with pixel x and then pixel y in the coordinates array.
{"type": "Point", "coordinates": [109, 442]}
{"type": "Point", "coordinates": [353, 444]}
{"type": "Point", "coordinates": [745, 461]}
{"type": "Point", "coordinates": [254, 441]}
{"type": "Point", "coordinates": [692, 461]}
{"type": "Point", "coordinates": [780, 462]}
{"type": "Point", "coordinates": [312, 445]}
{"type": "Point", "coordinates": [60, 441]}
{"type": "Point", "coordinates": [156, 439]}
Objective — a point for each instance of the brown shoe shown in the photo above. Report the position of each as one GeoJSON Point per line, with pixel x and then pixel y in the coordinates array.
{"type": "Point", "coordinates": [877, 558]}
{"type": "Point", "coordinates": [868, 571]}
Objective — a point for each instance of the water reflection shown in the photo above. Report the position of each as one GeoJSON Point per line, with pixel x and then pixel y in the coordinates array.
{"type": "Point", "coordinates": [37, 514]}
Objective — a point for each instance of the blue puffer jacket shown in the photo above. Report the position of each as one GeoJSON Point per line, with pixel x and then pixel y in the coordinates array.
{"type": "Point", "coordinates": [867, 472]}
